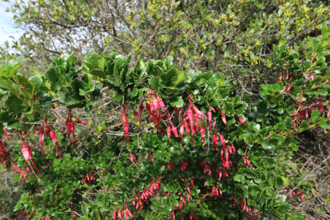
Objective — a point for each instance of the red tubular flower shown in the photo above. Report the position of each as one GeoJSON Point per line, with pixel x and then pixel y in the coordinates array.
{"type": "Point", "coordinates": [136, 115]}
{"type": "Point", "coordinates": [202, 130]}
{"type": "Point", "coordinates": [301, 195]}
{"type": "Point", "coordinates": [313, 108]}
{"type": "Point", "coordinates": [161, 103]}
{"type": "Point", "coordinates": [283, 89]}
{"type": "Point", "coordinates": [288, 89]}
{"type": "Point", "coordinates": [52, 135]}
{"type": "Point", "coordinates": [149, 109]}
{"type": "Point", "coordinates": [223, 117]}
{"type": "Point", "coordinates": [182, 129]}
{"type": "Point", "coordinates": [209, 115]}
{"type": "Point", "coordinates": [131, 157]}
{"type": "Point", "coordinates": [188, 197]}
{"type": "Point", "coordinates": [215, 141]}
{"type": "Point", "coordinates": [173, 215]}
{"type": "Point", "coordinates": [124, 120]}
{"type": "Point", "coordinates": [328, 113]}
{"type": "Point", "coordinates": [175, 131]}
{"type": "Point", "coordinates": [227, 158]}
{"type": "Point", "coordinates": [198, 112]}
{"type": "Point", "coordinates": [114, 215]}
{"type": "Point", "coordinates": [312, 76]}
{"type": "Point", "coordinates": [196, 127]}
{"type": "Point", "coordinates": [27, 153]}
{"type": "Point", "coordinates": [287, 75]}
{"type": "Point", "coordinates": [241, 120]}
{"type": "Point", "coordinates": [170, 166]}
{"type": "Point", "coordinates": [196, 119]}
{"type": "Point", "coordinates": [79, 121]}
{"type": "Point", "coordinates": [176, 111]}
{"type": "Point", "coordinates": [183, 200]}
{"type": "Point", "coordinates": [190, 118]}
{"type": "Point", "coordinates": [186, 127]}
{"type": "Point", "coordinates": [3, 151]}
{"type": "Point", "coordinates": [292, 193]}
{"type": "Point", "coordinates": [129, 213]}
{"type": "Point", "coordinates": [155, 103]}
{"type": "Point", "coordinates": [321, 107]}
{"type": "Point", "coordinates": [306, 114]}
{"type": "Point", "coordinates": [6, 133]}
{"type": "Point", "coordinates": [188, 189]}
{"type": "Point", "coordinates": [223, 141]}
{"type": "Point", "coordinates": [71, 127]}
{"type": "Point", "coordinates": [141, 107]}
{"type": "Point", "coordinates": [233, 149]}
{"type": "Point", "coordinates": [169, 131]}
{"type": "Point", "coordinates": [41, 138]}
{"type": "Point", "coordinates": [119, 214]}
{"type": "Point", "coordinates": [215, 192]}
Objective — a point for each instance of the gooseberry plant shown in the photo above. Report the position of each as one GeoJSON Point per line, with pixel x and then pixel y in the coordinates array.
{"type": "Point", "coordinates": [172, 145]}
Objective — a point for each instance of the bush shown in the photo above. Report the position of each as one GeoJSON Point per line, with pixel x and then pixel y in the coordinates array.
{"type": "Point", "coordinates": [228, 160]}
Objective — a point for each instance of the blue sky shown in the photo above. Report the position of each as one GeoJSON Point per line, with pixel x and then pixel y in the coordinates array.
{"type": "Point", "coordinates": [6, 24]}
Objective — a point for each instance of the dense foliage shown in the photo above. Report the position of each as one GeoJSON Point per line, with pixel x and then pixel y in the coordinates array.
{"type": "Point", "coordinates": [195, 115]}
{"type": "Point", "coordinates": [192, 147]}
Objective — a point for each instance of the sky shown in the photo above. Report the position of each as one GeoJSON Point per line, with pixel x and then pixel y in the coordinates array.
{"type": "Point", "coordinates": [7, 24]}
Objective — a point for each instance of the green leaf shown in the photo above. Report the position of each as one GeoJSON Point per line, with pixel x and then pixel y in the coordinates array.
{"type": "Point", "coordinates": [101, 63]}
{"type": "Point", "coordinates": [280, 111]}
{"type": "Point", "coordinates": [51, 75]}
{"type": "Point", "coordinates": [4, 116]}
{"type": "Point", "coordinates": [277, 87]}
{"type": "Point", "coordinates": [176, 101]}
{"type": "Point", "coordinates": [45, 101]}
{"type": "Point", "coordinates": [303, 126]}
{"type": "Point", "coordinates": [68, 99]}
{"type": "Point", "coordinates": [180, 78]}
{"type": "Point", "coordinates": [6, 84]}
{"type": "Point", "coordinates": [267, 145]}
{"type": "Point", "coordinates": [134, 92]}
{"type": "Point", "coordinates": [13, 124]}
{"type": "Point", "coordinates": [284, 208]}
{"type": "Point", "coordinates": [13, 104]}
{"type": "Point", "coordinates": [36, 82]}
{"type": "Point", "coordinates": [13, 71]}
{"type": "Point", "coordinates": [324, 124]}
{"type": "Point", "coordinates": [154, 83]}
{"type": "Point", "coordinates": [286, 181]}
{"type": "Point", "coordinates": [169, 62]}
{"type": "Point", "coordinates": [117, 96]}
{"type": "Point", "coordinates": [315, 115]}
{"type": "Point", "coordinates": [238, 177]}
{"type": "Point", "coordinates": [98, 73]}
{"type": "Point", "coordinates": [314, 42]}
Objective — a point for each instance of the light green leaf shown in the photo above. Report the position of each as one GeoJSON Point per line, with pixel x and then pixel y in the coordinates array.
{"type": "Point", "coordinates": [176, 102]}
{"type": "Point", "coordinates": [180, 78]}
{"type": "Point", "coordinates": [315, 115]}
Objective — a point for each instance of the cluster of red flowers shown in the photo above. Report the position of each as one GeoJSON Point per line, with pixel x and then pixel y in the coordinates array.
{"type": "Point", "coordinates": [88, 178]}
{"type": "Point", "coordinates": [125, 212]}
{"type": "Point", "coordinates": [26, 148]}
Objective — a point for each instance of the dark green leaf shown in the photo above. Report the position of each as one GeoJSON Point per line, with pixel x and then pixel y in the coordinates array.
{"type": "Point", "coordinates": [13, 104]}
